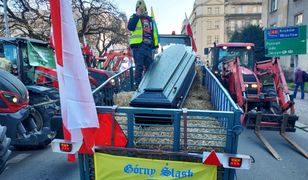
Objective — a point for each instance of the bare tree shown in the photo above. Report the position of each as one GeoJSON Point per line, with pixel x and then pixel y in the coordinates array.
{"type": "Point", "coordinates": [29, 18]}
{"type": "Point", "coordinates": [2, 33]}
{"type": "Point", "coordinates": [99, 21]}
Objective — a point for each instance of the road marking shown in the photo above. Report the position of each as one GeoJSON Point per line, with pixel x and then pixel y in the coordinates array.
{"type": "Point", "coordinates": [18, 158]}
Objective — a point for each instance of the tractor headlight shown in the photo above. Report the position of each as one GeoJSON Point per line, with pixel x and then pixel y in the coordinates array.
{"type": "Point", "coordinates": [112, 82]}
{"type": "Point", "coordinates": [15, 100]}
{"type": "Point", "coordinates": [246, 85]}
{"type": "Point", "coordinates": [11, 98]}
{"type": "Point", "coordinates": [254, 86]}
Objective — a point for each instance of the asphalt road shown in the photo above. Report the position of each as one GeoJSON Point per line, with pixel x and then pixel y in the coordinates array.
{"type": "Point", "coordinates": [301, 107]}
{"type": "Point", "coordinates": [40, 165]}
{"type": "Point", "coordinates": [293, 166]}
{"type": "Point", "coordinates": [45, 165]}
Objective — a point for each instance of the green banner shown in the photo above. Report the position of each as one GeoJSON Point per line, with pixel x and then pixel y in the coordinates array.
{"type": "Point", "coordinates": [285, 41]}
{"type": "Point", "coordinates": [40, 56]}
{"type": "Point", "coordinates": [127, 168]}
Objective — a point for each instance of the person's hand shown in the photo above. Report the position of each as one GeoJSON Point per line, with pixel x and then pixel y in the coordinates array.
{"type": "Point", "coordinates": [139, 11]}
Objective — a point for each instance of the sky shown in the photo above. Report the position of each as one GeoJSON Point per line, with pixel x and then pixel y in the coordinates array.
{"type": "Point", "coordinates": [169, 14]}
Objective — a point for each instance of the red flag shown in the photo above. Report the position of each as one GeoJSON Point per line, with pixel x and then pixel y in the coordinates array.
{"type": "Point", "coordinates": [86, 48]}
{"type": "Point", "coordinates": [77, 104]}
{"type": "Point", "coordinates": [189, 33]}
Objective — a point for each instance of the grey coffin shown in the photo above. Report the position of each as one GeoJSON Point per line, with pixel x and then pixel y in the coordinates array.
{"type": "Point", "coordinates": [168, 80]}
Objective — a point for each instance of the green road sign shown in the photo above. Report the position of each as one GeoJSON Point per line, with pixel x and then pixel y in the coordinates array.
{"type": "Point", "coordinates": [285, 41]}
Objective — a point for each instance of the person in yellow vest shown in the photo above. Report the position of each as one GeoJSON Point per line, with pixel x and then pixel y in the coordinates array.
{"type": "Point", "coordinates": [143, 40]}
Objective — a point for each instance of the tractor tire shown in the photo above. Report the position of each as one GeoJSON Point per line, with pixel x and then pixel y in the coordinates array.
{"type": "Point", "coordinates": [41, 116]}
{"type": "Point", "coordinates": [4, 148]}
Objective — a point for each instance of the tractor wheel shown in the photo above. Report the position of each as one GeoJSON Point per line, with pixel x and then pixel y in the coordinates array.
{"type": "Point", "coordinates": [42, 114]}
{"type": "Point", "coordinates": [4, 148]}
{"type": "Point", "coordinates": [38, 120]}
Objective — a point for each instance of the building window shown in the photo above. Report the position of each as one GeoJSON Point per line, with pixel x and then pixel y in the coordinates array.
{"type": "Point", "coordinates": [299, 19]}
{"type": "Point", "coordinates": [274, 5]}
{"type": "Point", "coordinates": [209, 39]}
{"type": "Point", "coordinates": [239, 9]}
{"type": "Point", "coordinates": [233, 9]}
{"type": "Point", "coordinates": [216, 39]}
{"type": "Point", "coordinates": [216, 24]}
{"type": "Point", "coordinates": [209, 25]}
{"type": "Point", "coordinates": [232, 25]}
{"type": "Point", "coordinates": [255, 9]}
{"type": "Point", "coordinates": [216, 10]}
{"type": "Point", "coordinates": [239, 24]}
{"type": "Point", "coordinates": [209, 10]}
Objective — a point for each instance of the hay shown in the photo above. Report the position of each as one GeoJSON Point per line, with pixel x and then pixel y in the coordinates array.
{"type": "Point", "coordinates": [198, 97]}
{"type": "Point", "coordinates": [123, 98]}
{"type": "Point", "coordinates": [162, 135]}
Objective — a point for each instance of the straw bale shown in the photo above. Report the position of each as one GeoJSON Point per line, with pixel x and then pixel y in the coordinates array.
{"type": "Point", "coordinates": [198, 98]}
{"type": "Point", "coordinates": [123, 98]}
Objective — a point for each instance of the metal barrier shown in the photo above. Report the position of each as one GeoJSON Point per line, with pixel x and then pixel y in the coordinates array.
{"type": "Point", "coordinates": [122, 81]}
{"type": "Point", "coordinates": [190, 133]}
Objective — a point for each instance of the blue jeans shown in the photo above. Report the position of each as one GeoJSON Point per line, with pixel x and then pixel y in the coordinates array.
{"type": "Point", "coordinates": [302, 85]}
{"type": "Point", "coordinates": [143, 57]}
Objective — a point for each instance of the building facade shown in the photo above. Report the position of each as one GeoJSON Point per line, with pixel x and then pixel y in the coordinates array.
{"type": "Point", "coordinates": [280, 13]}
{"type": "Point", "coordinates": [216, 20]}
{"type": "Point", "coordinates": [241, 13]}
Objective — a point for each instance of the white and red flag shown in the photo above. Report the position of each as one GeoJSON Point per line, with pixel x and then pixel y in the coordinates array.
{"type": "Point", "coordinates": [51, 43]}
{"type": "Point", "coordinates": [189, 33]}
{"type": "Point", "coordinates": [77, 104]}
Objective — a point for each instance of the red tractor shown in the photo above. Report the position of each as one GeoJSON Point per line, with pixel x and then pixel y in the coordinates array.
{"type": "Point", "coordinates": [116, 60]}
{"type": "Point", "coordinates": [258, 87]}
{"type": "Point", "coordinates": [35, 104]}
{"type": "Point", "coordinates": [24, 123]}
{"type": "Point", "coordinates": [32, 62]}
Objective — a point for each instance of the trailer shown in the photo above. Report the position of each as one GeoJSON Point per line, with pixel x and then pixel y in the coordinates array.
{"type": "Point", "coordinates": [193, 136]}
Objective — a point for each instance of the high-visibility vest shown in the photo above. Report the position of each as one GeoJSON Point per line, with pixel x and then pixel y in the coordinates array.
{"type": "Point", "coordinates": [137, 35]}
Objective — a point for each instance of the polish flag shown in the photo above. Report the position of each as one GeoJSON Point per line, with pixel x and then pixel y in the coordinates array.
{"type": "Point", "coordinates": [86, 48]}
{"type": "Point", "coordinates": [77, 104]}
{"type": "Point", "coordinates": [189, 33]}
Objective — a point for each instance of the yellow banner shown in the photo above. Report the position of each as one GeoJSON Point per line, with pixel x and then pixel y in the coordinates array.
{"type": "Point", "coordinates": [109, 167]}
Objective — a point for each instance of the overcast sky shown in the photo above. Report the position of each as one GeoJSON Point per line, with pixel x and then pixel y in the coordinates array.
{"type": "Point", "coordinates": [169, 14]}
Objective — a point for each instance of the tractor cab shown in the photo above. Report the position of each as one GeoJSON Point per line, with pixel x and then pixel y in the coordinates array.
{"type": "Point", "coordinates": [20, 56]}
{"type": "Point", "coordinates": [221, 53]}
{"type": "Point", "coordinates": [168, 39]}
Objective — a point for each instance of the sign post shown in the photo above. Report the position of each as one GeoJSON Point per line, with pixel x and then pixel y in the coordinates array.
{"type": "Point", "coordinates": [285, 41]}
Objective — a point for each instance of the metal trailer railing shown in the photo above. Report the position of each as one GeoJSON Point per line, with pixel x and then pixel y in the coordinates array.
{"type": "Point", "coordinates": [121, 81]}
{"type": "Point", "coordinates": [190, 133]}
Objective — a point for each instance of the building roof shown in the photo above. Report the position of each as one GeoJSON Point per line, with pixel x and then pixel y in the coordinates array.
{"type": "Point", "coordinates": [22, 39]}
